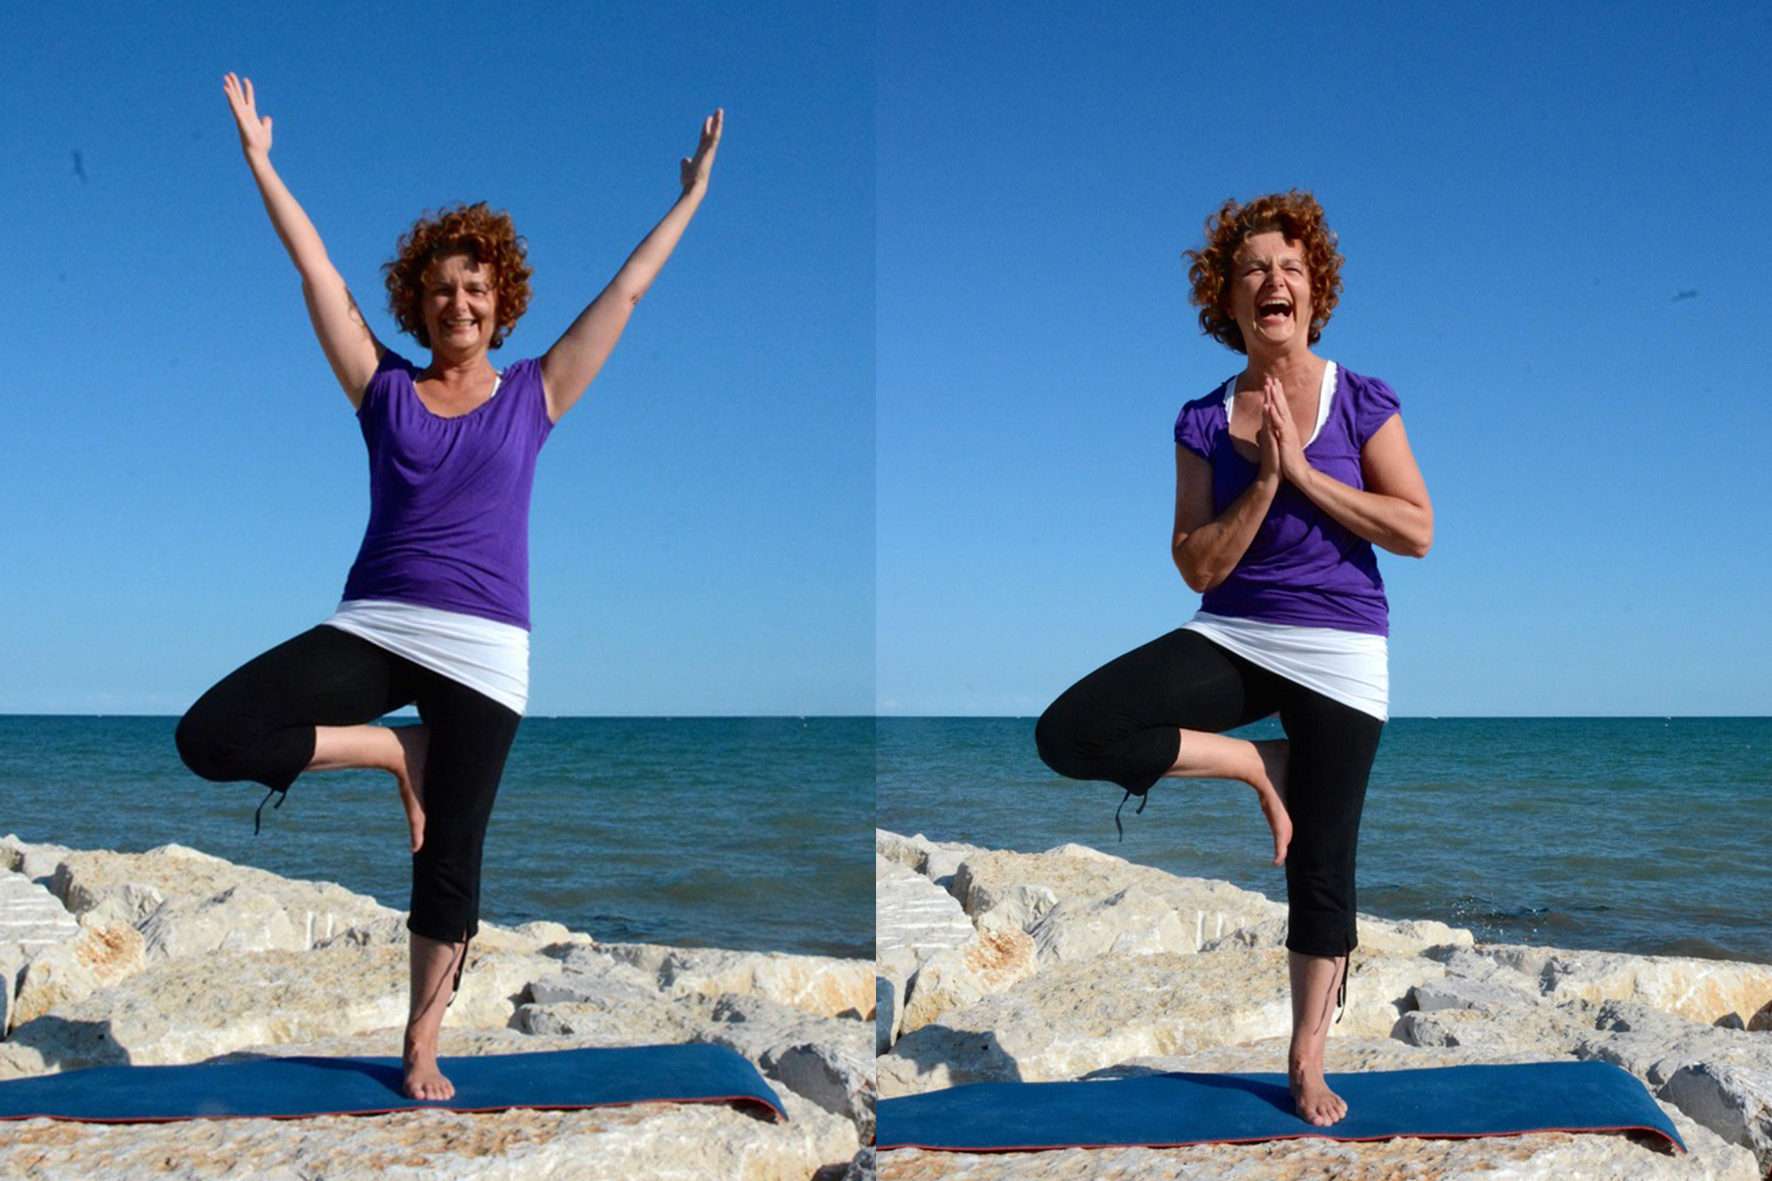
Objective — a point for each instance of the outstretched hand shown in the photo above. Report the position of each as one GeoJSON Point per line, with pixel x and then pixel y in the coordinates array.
{"type": "Point", "coordinates": [697, 168]}
{"type": "Point", "coordinates": [255, 133]}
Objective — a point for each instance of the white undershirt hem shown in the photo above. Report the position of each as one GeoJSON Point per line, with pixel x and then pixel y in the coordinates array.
{"type": "Point", "coordinates": [1350, 667]}
{"type": "Point", "coordinates": [487, 656]}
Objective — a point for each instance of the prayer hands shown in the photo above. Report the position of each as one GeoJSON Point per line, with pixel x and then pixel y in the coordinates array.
{"type": "Point", "coordinates": [1282, 446]}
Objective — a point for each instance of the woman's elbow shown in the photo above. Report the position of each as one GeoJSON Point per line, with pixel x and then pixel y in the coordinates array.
{"type": "Point", "coordinates": [1198, 580]}
{"type": "Point", "coordinates": [1417, 540]}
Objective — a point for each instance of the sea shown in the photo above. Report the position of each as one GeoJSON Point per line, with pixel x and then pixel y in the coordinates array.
{"type": "Point", "coordinates": [749, 833]}
{"type": "Point", "coordinates": [1640, 835]}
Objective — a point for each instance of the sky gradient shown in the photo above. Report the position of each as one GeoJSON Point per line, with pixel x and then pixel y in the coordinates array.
{"type": "Point", "coordinates": [1551, 217]}
{"type": "Point", "coordinates": [186, 483]}
{"type": "Point", "coordinates": [892, 431]}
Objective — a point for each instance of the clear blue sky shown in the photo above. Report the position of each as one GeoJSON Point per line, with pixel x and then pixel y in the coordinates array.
{"type": "Point", "coordinates": [1554, 223]}
{"type": "Point", "coordinates": [184, 483]}
{"type": "Point", "coordinates": [892, 431]}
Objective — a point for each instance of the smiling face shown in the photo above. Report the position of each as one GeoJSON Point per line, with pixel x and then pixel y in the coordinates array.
{"type": "Point", "coordinates": [460, 305]}
{"type": "Point", "coordinates": [1270, 293]}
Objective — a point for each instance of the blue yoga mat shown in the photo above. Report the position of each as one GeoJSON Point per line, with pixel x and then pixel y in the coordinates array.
{"type": "Point", "coordinates": [291, 1088]}
{"type": "Point", "coordinates": [1168, 1110]}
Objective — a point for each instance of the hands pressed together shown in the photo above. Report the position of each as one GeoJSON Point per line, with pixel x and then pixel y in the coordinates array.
{"type": "Point", "coordinates": [1282, 444]}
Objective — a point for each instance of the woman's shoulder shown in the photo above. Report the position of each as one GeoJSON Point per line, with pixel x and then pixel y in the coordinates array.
{"type": "Point", "coordinates": [1363, 388]}
{"type": "Point", "coordinates": [1370, 401]}
{"type": "Point", "coordinates": [1202, 418]}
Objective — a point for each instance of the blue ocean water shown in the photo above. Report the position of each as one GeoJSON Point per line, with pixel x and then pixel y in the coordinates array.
{"type": "Point", "coordinates": [751, 833]}
{"type": "Point", "coordinates": [1642, 835]}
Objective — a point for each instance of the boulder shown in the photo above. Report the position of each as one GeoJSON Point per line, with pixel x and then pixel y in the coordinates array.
{"type": "Point", "coordinates": [195, 1009]}
{"type": "Point", "coordinates": [188, 903]}
{"type": "Point", "coordinates": [935, 860]}
{"type": "Point", "coordinates": [30, 916]}
{"type": "Point", "coordinates": [914, 919]}
{"type": "Point", "coordinates": [824, 1059]}
{"type": "Point", "coordinates": [62, 973]}
{"type": "Point", "coordinates": [1035, 887]}
{"type": "Point", "coordinates": [958, 976]}
{"type": "Point", "coordinates": [1702, 990]}
{"type": "Point", "coordinates": [36, 862]}
{"type": "Point", "coordinates": [817, 984]}
{"type": "Point", "coordinates": [1720, 1077]}
{"type": "Point", "coordinates": [1079, 1016]}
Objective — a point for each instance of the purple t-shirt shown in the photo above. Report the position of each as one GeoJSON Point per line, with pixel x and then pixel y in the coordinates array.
{"type": "Point", "coordinates": [1303, 567]}
{"type": "Point", "coordinates": [449, 497]}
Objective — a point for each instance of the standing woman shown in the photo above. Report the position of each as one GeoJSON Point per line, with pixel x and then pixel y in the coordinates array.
{"type": "Point", "coordinates": [1286, 476]}
{"type": "Point", "coordinates": [436, 608]}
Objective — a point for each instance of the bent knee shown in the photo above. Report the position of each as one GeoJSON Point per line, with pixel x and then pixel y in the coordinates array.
{"type": "Point", "coordinates": [1060, 743]}
{"type": "Point", "coordinates": [201, 746]}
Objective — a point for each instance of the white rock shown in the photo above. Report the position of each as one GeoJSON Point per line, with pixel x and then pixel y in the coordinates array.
{"type": "Point", "coordinates": [913, 920]}
{"type": "Point", "coordinates": [935, 860]}
{"type": "Point", "coordinates": [1080, 1016]}
{"type": "Point", "coordinates": [1453, 992]}
{"type": "Point", "coordinates": [825, 1059]}
{"type": "Point", "coordinates": [817, 984]}
{"type": "Point", "coordinates": [1135, 921]}
{"type": "Point", "coordinates": [188, 903]}
{"type": "Point", "coordinates": [1702, 990]}
{"type": "Point", "coordinates": [33, 861]}
{"type": "Point", "coordinates": [30, 916]}
{"type": "Point", "coordinates": [958, 976]}
{"type": "Point", "coordinates": [1075, 878]}
{"type": "Point", "coordinates": [189, 1010]}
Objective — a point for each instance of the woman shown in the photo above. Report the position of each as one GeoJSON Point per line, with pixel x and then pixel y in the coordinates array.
{"type": "Point", "coordinates": [436, 608]}
{"type": "Point", "coordinates": [1286, 476]}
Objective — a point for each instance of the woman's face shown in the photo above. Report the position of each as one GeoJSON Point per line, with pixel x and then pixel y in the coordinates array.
{"type": "Point", "coordinates": [460, 305]}
{"type": "Point", "coordinates": [1271, 292]}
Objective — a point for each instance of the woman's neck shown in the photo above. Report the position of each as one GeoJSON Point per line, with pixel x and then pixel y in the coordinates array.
{"type": "Point", "coordinates": [457, 371]}
{"type": "Point", "coordinates": [1295, 369]}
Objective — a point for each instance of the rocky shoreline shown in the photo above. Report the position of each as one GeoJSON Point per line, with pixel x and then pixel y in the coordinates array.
{"type": "Point", "coordinates": [174, 956]}
{"type": "Point", "coordinates": [1073, 964]}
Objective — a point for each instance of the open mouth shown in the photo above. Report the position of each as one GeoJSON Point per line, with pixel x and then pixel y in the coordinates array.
{"type": "Point", "coordinates": [1274, 309]}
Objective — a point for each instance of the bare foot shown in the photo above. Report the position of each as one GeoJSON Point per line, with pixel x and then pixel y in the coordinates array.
{"type": "Point", "coordinates": [1311, 1097]}
{"type": "Point", "coordinates": [423, 1079]}
{"type": "Point", "coordinates": [415, 742]}
{"type": "Point", "coordinates": [1271, 792]}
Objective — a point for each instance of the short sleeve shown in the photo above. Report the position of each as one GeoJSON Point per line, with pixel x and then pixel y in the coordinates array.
{"type": "Point", "coordinates": [1198, 422]}
{"type": "Point", "coordinates": [381, 380]}
{"type": "Point", "coordinates": [1374, 404]}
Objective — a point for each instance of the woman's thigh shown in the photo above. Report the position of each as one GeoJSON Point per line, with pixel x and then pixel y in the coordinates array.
{"type": "Point", "coordinates": [258, 721]}
{"type": "Point", "coordinates": [1122, 722]}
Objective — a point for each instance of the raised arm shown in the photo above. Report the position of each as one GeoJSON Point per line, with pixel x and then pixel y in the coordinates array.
{"type": "Point", "coordinates": [568, 367]}
{"type": "Point", "coordinates": [350, 347]}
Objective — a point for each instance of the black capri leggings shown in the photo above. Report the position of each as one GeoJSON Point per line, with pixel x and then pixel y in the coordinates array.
{"type": "Point", "coordinates": [1121, 723]}
{"type": "Point", "coordinates": [258, 724]}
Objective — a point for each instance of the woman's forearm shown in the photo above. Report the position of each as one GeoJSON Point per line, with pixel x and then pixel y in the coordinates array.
{"type": "Point", "coordinates": [294, 230]}
{"type": "Point", "coordinates": [1392, 523]}
{"type": "Point", "coordinates": [1207, 555]}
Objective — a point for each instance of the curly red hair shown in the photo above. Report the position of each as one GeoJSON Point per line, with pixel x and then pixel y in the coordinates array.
{"type": "Point", "coordinates": [475, 230]}
{"type": "Point", "coordinates": [1296, 215]}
